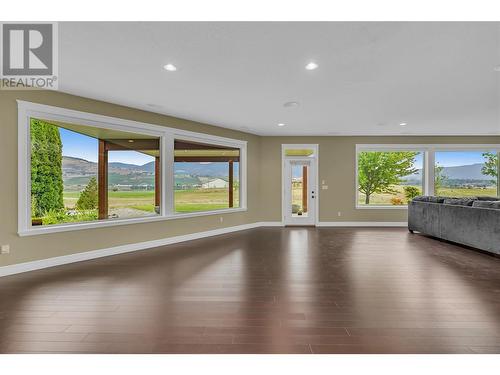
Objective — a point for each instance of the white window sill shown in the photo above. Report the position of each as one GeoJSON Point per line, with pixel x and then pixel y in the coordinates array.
{"type": "Point", "coordinates": [374, 207]}
{"type": "Point", "coordinates": [111, 223]}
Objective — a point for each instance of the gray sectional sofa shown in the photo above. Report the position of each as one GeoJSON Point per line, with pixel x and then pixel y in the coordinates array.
{"type": "Point", "coordinates": [472, 221]}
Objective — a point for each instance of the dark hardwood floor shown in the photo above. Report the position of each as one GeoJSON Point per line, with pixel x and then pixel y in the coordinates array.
{"type": "Point", "coordinates": [268, 290]}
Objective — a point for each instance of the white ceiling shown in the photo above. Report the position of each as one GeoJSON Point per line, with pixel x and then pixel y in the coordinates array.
{"type": "Point", "coordinates": [439, 78]}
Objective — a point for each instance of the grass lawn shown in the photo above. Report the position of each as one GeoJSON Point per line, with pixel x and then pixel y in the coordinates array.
{"type": "Point", "coordinates": [455, 192]}
{"type": "Point", "coordinates": [203, 200]}
{"type": "Point", "coordinates": [385, 199]}
{"type": "Point", "coordinates": [140, 200]}
{"type": "Point", "coordinates": [185, 200]}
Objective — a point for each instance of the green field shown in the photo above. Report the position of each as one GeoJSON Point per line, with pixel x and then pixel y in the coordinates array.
{"type": "Point", "coordinates": [137, 200]}
{"type": "Point", "coordinates": [385, 199]}
{"type": "Point", "coordinates": [203, 200]}
{"type": "Point", "coordinates": [455, 192]}
{"type": "Point", "coordinates": [185, 200]}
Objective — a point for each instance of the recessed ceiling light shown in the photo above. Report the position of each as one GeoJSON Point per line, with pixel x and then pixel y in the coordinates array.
{"type": "Point", "coordinates": [281, 124]}
{"type": "Point", "coordinates": [403, 124]}
{"type": "Point", "coordinates": [291, 104]}
{"type": "Point", "coordinates": [497, 68]}
{"type": "Point", "coordinates": [311, 66]}
{"type": "Point", "coordinates": [170, 67]}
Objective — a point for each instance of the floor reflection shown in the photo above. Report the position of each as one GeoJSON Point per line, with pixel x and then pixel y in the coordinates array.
{"type": "Point", "coordinates": [268, 290]}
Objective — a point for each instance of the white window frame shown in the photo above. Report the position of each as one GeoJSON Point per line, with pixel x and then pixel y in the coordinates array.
{"type": "Point", "coordinates": [28, 110]}
{"type": "Point", "coordinates": [215, 141]}
{"type": "Point", "coordinates": [429, 152]}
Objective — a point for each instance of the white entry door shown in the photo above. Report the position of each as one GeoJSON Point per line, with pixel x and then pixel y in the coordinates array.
{"type": "Point", "coordinates": [299, 192]}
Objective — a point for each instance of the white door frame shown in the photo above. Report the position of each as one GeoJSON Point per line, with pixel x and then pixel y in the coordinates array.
{"type": "Point", "coordinates": [314, 164]}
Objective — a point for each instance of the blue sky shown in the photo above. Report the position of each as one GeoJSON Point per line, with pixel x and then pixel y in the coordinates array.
{"type": "Point", "coordinates": [84, 147]}
{"type": "Point", "coordinates": [453, 158]}
{"type": "Point", "coordinates": [456, 158]}
{"type": "Point", "coordinates": [81, 146]}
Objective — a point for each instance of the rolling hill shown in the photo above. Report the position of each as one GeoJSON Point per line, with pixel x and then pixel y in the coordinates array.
{"type": "Point", "coordinates": [77, 172]}
{"type": "Point", "coordinates": [461, 172]}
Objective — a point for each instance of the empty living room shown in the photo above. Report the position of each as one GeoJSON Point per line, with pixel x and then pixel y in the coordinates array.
{"type": "Point", "coordinates": [268, 191]}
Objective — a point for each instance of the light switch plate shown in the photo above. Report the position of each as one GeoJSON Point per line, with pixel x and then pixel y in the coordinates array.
{"type": "Point", "coordinates": [324, 187]}
{"type": "Point", "coordinates": [5, 249]}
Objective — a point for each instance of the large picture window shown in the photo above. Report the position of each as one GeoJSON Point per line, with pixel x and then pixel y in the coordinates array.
{"type": "Point", "coordinates": [466, 173]}
{"type": "Point", "coordinates": [389, 176]}
{"type": "Point", "coordinates": [82, 173]}
{"type": "Point", "coordinates": [206, 177]}
{"type": "Point", "coordinates": [80, 170]}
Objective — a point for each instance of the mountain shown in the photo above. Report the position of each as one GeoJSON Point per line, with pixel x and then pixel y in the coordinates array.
{"type": "Point", "coordinates": [77, 172]}
{"type": "Point", "coordinates": [466, 172]}
{"type": "Point", "coordinates": [130, 167]}
{"type": "Point", "coordinates": [206, 170]}
{"type": "Point", "coordinates": [79, 166]}
{"type": "Point", "coordinates": [460, 172]}
{"type": "Point", "coordinates": [148, 167]}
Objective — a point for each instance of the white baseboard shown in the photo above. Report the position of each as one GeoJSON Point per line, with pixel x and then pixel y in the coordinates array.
{"type": "Point", "coordinates": [87, 255]}
{"type": "Point", "coordinates": [271, 224]}
{"type": "Point", "coordinates": [362, 224]}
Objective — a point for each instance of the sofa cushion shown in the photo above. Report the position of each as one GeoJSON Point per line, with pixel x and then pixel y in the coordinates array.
{"type": "Point", "coordinates": [490, 199]}
{"type": "Point", "coordinates": [421, 198]}
{"type": "Point", "coordinates": [437, 199]}
{"type": "Point", "coordinates": [468, 201]}
{"type": "Point", "coordinates": [429, 198]}
{"type": "Point", "coordinates": [487, 204]}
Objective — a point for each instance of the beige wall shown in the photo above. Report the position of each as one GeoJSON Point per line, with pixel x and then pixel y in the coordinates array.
{"type": "Point", "coordinates": [336, 167]}
{"type": "Point", "coordinates": [337, 159]}
{"type": "Point", "coordinates": [25, 249]}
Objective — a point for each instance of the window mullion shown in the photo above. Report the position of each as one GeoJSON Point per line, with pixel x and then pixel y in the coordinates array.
{"type": "Point", "coordinates": [167, 191]}
{"type": "Point", "coordinates": [429, 176]}
{"type": "Point", "coordinates": [498, 174]}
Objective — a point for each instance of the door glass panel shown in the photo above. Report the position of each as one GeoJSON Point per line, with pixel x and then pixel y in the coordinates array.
{"type": "Point", "coordinates": [299, 190]}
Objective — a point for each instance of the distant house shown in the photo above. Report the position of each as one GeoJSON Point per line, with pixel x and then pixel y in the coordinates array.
{"type": "Point", "coordinates": [122, 187]}
{"type": "Point", "coordinates": [216, 183]}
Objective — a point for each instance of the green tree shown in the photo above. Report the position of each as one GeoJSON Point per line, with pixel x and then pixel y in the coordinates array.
{"type": "Point", "coordinates": [411, 192]}
{"type": "Point", "coordinates": [88, 197]}
{"type": "Point", "coordinates": [491, 166]}
{"type": "Point", "coordinates": [46, 168]}
{"type": "Point", "coordinates": [440, 178]}
{"type": "Point", "coordinates": [379, 171]}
